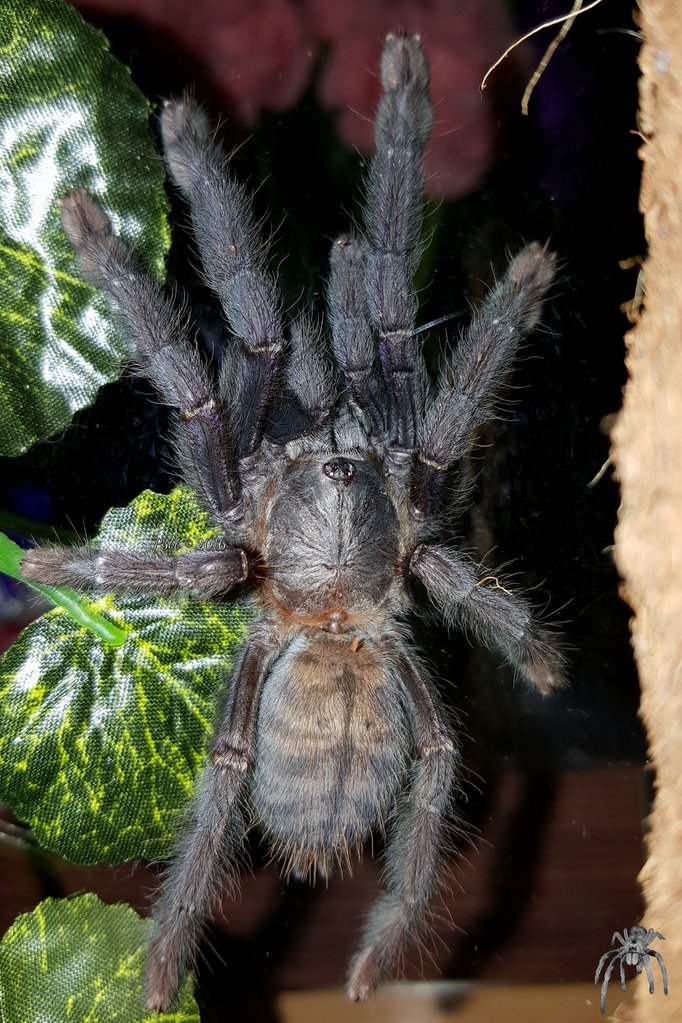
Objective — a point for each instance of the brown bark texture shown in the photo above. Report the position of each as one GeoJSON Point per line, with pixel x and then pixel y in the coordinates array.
{"type": "Point", "coordinates": [647, 453]}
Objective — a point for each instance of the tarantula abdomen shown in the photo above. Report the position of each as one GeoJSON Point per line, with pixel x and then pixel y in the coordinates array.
{"type": "Point", "coordinates": [330, 749]}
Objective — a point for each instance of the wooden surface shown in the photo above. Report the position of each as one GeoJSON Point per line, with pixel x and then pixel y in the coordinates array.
{"type": "Point", "coordinates": [463, 1003]}
{"type": "Point", "coordinates": [535, 900]}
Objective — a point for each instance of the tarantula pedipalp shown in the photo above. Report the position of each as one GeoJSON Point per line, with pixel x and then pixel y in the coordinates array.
{"type": "Point", "coordinates": [633, 950]}
{"type": "Point", "coordinates": [331, 486]}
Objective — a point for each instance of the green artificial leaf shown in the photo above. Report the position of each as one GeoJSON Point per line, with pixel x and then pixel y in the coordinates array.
{"type": "Point", "coordinates": [69, 116]}
{"type": "Point", "coordinates": [99, 744]}
{"type": "Point", "coordinates": [80, 961]}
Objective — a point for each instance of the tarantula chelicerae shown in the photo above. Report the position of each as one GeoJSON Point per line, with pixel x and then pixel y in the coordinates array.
{"type": "Point", "coordinates": [331, 485]}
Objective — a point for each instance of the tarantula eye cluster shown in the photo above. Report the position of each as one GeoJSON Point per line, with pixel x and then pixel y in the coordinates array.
{"type": "Point", "coordinates": [331, 726]}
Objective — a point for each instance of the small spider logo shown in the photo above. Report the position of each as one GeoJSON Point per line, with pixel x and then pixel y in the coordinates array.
{"type": "Point", "coordinates": [634, 950]}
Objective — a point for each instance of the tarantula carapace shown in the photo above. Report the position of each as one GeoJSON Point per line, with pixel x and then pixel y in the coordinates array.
{"type": "Point", "coordinates": [332, 480]}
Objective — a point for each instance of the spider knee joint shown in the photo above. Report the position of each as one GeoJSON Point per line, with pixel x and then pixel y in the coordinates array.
{"type": "Point", "coordinates": [230, 758]}
{"type": "Point", "coordinates": [443, 744]}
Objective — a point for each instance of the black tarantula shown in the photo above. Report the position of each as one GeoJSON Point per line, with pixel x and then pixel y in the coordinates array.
{"type": "Point", "coordinates": [332, 487]}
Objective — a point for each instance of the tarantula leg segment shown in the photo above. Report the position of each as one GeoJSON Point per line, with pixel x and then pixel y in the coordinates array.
{"type": "Point", "coordinates": [473, 378]}
{"type": "Point", "coordinates": [478, 603]}
{"type": "Point", "coordinates": [649, 972]}
{"type": "Point", "coordinates": [204, 862]}
{"type": "Point", "coordinates": [664, 973]}
{"type": "Point", "coordinates": [163, 351]}
{"type": "Point", "coordinates": [393, 220]}
{"type": "Point", "coordinates": [310, 376]}
{"type": "Point", "coordinates": [607, 978]}
{"type": "Point", "coordinates": [414, 850]}
{"type": "Point", "coordinates": [352, 336]}
{"type": "Point", "coordinates": [205, 573]}
{"type": "Point", "coordinates": [233, 256]}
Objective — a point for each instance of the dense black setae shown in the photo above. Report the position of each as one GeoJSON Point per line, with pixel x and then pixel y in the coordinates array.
{"type": "Point", "coordinates": [331, 727]}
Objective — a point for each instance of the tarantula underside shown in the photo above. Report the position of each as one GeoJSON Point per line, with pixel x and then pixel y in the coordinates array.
{"type": "Point", "coordinates": [334, 525]}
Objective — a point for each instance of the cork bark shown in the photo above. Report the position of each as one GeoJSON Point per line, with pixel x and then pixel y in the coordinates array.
{"type": "Point", "coordinates": [647, 452]}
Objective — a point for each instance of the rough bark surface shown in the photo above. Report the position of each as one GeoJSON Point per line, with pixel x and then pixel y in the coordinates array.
{"type": "Point", "coordinates": [647, 451]}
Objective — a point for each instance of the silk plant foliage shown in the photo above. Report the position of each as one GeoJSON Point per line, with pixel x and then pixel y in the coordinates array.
{"type": "Point", "coordinates": [69, 116]}
{"type": "Point", "coordinates": [100, 743]}
{"type": "Point", "coordinates": [106, 704]}
{"type": "Point", "coordinates": [80, 961]}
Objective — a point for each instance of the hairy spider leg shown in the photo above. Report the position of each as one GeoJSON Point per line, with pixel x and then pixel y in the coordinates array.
{"type": "Point", "coordinates": [659, 959]}
{"type": "Point", "coordinates": [205, 860]}
{"type": "Point", "coordinates": [649, 972]}
{"type": "Point", "coordinates": [607, 978]}
{"type": "Point", "coordinates": [163, 350]}
{"type": "Point", "coordinates": [475, 601]}
{"type": "Point", "coordinates": [473, 377]}
{"type": "Point", "coordinates": [414, 849]}
{"type": "Point", "coordinates": [206, 573]}
{"type": "Point", "coordinates": [611, 952]}
{"type": "Point", "coordinates": [310, 377]}
{"type": "Point", "coordinates": [393, 221]}
{"type": "Point", "coordinates": [352, 335]}
{"type": "Point", "coordinates": [234, 261]}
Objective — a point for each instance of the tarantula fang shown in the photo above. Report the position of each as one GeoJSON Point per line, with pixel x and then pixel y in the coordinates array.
{"type": "Point", "coordinates": [633, 950]}
{"type": "Point", "coordinates": [332, 480]}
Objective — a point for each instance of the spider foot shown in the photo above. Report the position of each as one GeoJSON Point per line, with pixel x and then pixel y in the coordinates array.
{"type": "Point", "coordinates": [161, 983]}
{"type": "Point", "coordinates": [364, 976]}
{"type": "Point", "coordinates": [168, 960]}
{"type": "Point", "coordinates": [184, 127]}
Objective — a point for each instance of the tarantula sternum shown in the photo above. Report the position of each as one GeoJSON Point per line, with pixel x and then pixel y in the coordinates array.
{"type": "Point", "coordinates": [331, 726]}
